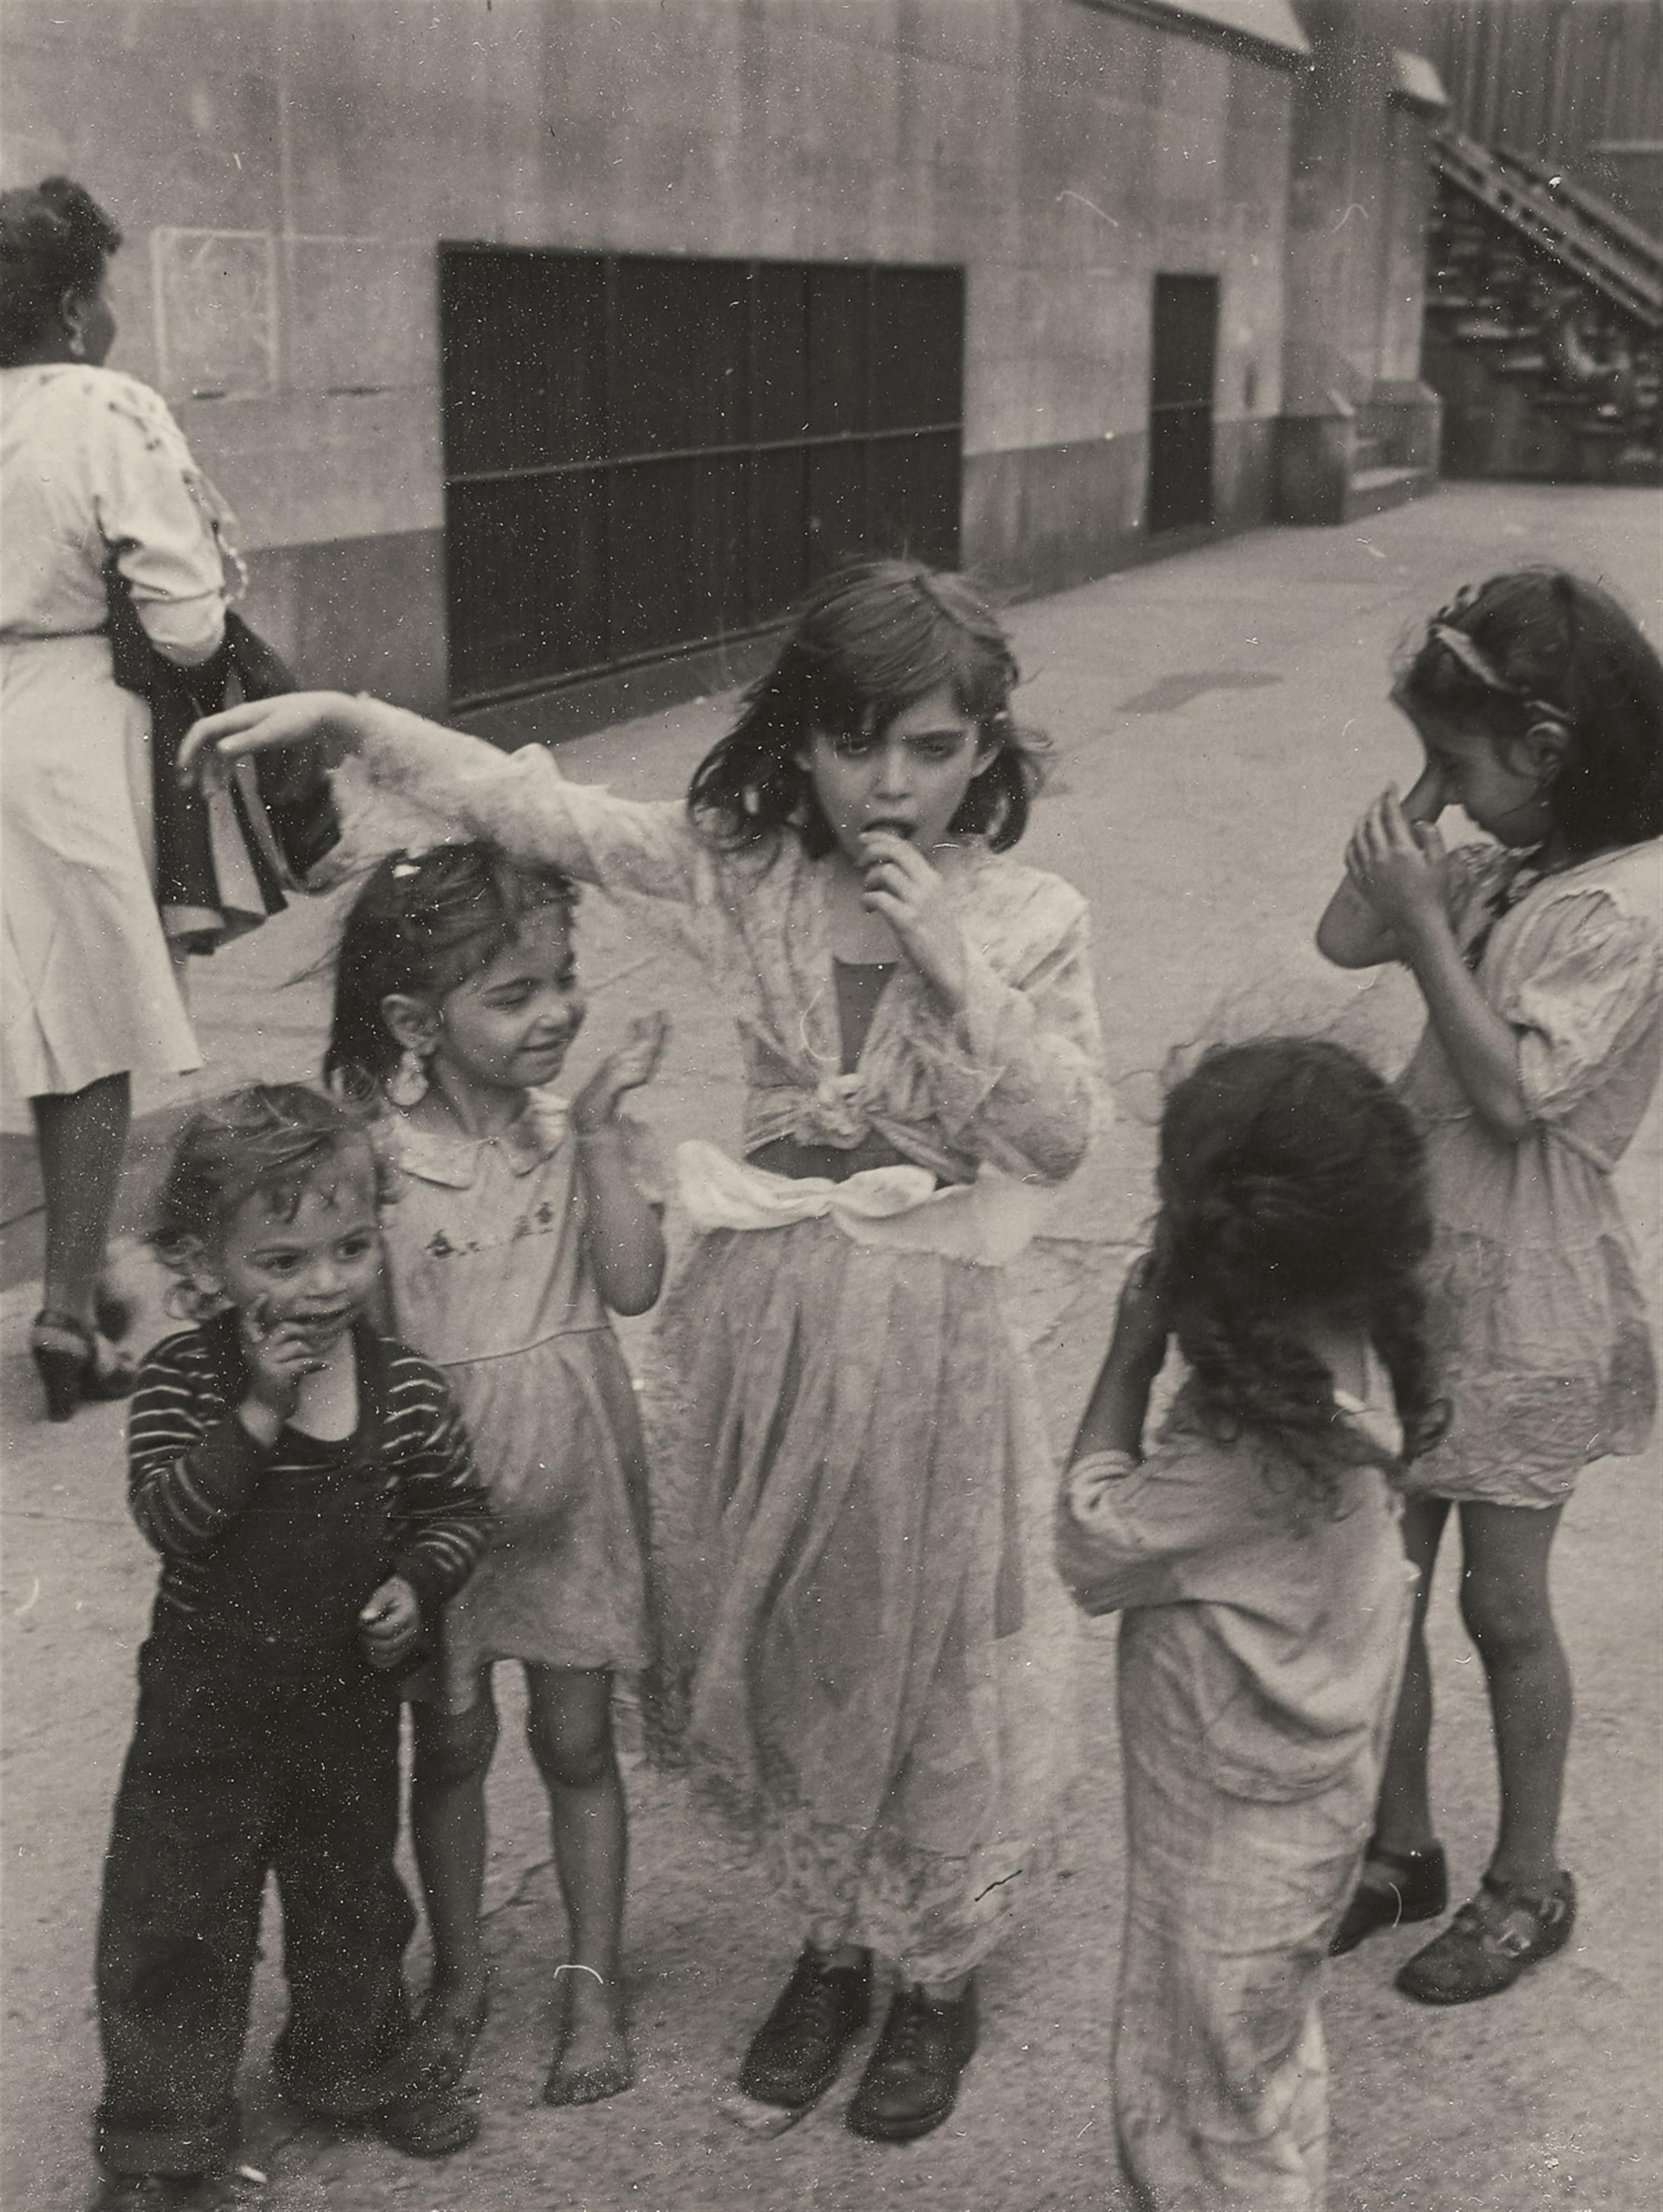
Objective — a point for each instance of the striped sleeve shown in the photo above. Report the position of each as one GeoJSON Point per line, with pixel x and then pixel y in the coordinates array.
{"type": "Point", "coordinates": [191, 1466]}
{"type": "Point", "coordinates": [442, 1512]}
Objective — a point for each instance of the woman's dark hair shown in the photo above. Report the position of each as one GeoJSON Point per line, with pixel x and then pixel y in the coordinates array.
{"type": "Point", "coordinates": [273, 1139]}
{"type": "Point", "coordinates": [1292, 1178]}
{"type": "Point", "coordinates": [424, 924]}
{"type": "Point", "coordinates": [54, 239]}
{"type": "Point", "coordinates": [872, 639]}
{"type": "Point", "coordinates": [1538, 645]}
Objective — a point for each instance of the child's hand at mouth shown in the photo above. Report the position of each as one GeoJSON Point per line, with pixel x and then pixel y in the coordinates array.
{"type": "Point", "coordinates": [900, 883]}
{"type": "Point", "coordinates": [280, 1351]}
{"type": "Point", "coordinates": [876, 837]}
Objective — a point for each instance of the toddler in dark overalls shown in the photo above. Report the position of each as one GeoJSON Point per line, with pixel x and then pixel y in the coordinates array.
{"type": "Point", "coordinates": [312, 1493]}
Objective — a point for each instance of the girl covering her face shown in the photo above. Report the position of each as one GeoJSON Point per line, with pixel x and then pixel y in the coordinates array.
{"type": "Point", "coordinates": [1539, 955]}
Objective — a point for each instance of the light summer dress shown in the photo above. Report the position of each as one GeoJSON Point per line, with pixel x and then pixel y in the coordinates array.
{"type": "Point", "coordinates": [866, 1645]}
{"type": "Point", "coordinates": [91, 465]}
{"type": "Point", "coordinates": [1537, 1314]}
{"type": "Point", "coordinates": [492, 1279]}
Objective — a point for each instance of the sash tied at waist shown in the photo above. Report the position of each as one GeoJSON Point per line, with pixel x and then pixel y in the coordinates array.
{"type": "Point", "coordinates": [988, 1222]}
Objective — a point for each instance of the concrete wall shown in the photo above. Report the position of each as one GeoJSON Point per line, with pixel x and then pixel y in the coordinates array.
{"type": "Point", "coordinates": [1360, 198]}
{"type": "Point", "coordinates": [283, 169]}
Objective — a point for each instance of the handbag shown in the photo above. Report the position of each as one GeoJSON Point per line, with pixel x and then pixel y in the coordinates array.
{"type": "Point", "coordinates": [225, 856]}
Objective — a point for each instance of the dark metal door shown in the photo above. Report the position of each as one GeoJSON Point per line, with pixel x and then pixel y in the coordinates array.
{"type": "Point", "coordinates": [644, 455]}
{"type": "Point", "coordinates": [1186, 348]}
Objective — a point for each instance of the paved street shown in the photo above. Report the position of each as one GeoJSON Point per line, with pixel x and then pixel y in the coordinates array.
{"type": "Point", "coordinates": [1218, 720]}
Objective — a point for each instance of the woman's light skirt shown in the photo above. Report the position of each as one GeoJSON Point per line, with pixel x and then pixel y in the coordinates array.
{"type": "Point", "coordinates": [87, 987]}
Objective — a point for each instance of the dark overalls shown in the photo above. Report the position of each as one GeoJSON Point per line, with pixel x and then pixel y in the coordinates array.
{"type": "Point", "coordinates": [265, 1741]}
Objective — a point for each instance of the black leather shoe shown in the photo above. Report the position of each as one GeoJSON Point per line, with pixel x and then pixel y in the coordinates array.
{"type": "Point", "coordinates": [911, 2080]}
{"type": "Point", "coordinates": [795, 2054]}
{"type": "Point", "coordinates": [1416, 1887]}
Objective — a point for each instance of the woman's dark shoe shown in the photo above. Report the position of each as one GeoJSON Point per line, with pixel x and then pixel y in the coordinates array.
{"type": "Point", "coordinates": [795, 2054]}
{"type": "Point", "coordinates": [1489, 1942]}
{"type": "Point", "coordinates": [114, 1312]}
{"type": "Point", "coordinates": [66, 1357]}
{"type": "Point", "coordinates": [1396, 1887]}
{"type": "Point", "coordinates": [911, 2080]}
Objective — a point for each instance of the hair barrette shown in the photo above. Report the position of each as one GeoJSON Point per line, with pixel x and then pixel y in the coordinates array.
{"type": "Point", "coordinates": [1472, 658]}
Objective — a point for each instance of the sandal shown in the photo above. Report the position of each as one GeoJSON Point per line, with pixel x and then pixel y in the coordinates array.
{"type": "Point", "coordinates": [1416, 1887]}
{"type": "Point", "coordinates": [1491, 1941]}
{"type": "Point", "coordinates": [432, 2124]}
{"type": "Point", "coordinates": [66, 1357]}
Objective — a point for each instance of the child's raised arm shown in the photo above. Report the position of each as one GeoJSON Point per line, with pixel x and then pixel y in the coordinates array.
{"type": "Point", "coordinates": [518, 799]}
{"type": "Point", "coordinates": [1131, 1533]}
{"type": "Point", "coordinates": [1352, 932]}
{"type": "Point", "coordinates": [1394, 874]}
{"type": "Point", "coordinates": [1015, 1065]}
{"type": "Point", "coordinates": [621, 1229]}
{"type": "Point", "coordinates": [1118, 1404]}
{"type": "Point", "coordinates": [192, 1464]}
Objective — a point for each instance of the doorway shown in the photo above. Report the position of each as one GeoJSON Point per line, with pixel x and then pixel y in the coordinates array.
{"type": "Point", "coordinates": [1185, 355]}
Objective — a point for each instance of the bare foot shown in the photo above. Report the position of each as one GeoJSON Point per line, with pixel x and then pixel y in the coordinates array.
{"type": "Point", "coordinates": [591, 2050]}
{"type": "Point", "coordinates": [451, 2021]}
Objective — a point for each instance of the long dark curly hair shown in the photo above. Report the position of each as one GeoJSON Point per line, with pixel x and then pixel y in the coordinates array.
{"type": "Point", "coordinates": [871, 641]}
{"type": "Point", "coordinates": [424, 923]}
{"type": "Point", "coordinates": [54, 239]}
{"type": "Point", "coordinates": [1292, 1181]}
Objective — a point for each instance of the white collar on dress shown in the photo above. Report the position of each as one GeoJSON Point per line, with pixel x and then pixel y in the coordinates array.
{"type": "Point", "coordinates": [451, 1158]}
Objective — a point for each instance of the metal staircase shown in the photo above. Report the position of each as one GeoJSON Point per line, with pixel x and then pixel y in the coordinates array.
{"type": "Point", "coordinates": [1544, 322]}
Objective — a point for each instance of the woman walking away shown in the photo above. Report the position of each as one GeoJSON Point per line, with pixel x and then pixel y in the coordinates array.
{"type": "Point", "coordinates": [92, 471]}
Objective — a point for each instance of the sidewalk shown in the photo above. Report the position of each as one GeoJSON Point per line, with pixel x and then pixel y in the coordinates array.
{"type": "Point", "coordinates": [1218, 721]}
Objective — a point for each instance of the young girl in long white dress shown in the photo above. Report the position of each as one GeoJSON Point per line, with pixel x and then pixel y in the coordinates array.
{"type": "Point", "coordinates": [1255, 1559]}
{"type": "Point", "coordinates": [866, 1643]}
{"type": "Point", "coordinates": [1540, 959]}
{"type": "Point", "coordinates": [520, 1219]}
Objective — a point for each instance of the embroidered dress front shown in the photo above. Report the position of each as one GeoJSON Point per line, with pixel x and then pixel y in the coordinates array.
{"type": "Point", "coordinates": [491, 1279]}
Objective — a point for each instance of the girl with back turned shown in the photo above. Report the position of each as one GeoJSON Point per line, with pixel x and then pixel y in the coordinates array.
{"type": "Point", "coordinates": [1255, 1556]}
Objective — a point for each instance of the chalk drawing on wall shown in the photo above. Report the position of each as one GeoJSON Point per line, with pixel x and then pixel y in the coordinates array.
{"type": "Point", "coordinates": [216, 312]}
